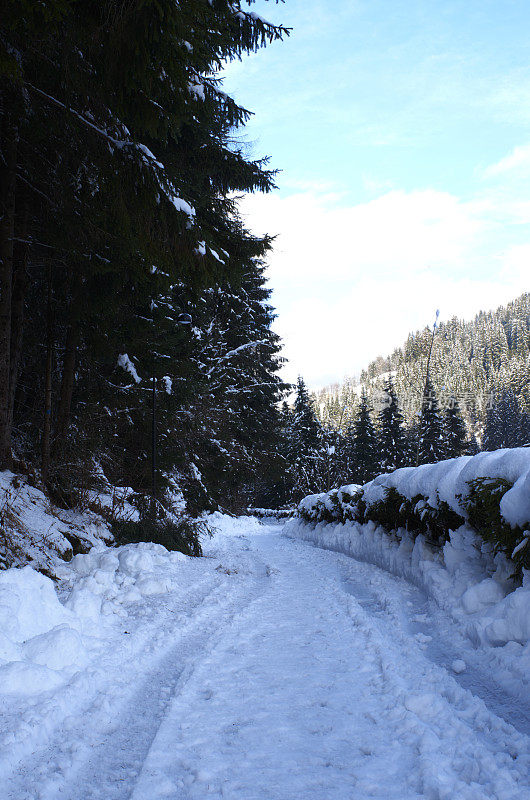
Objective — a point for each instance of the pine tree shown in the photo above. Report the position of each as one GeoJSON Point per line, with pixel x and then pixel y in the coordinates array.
{"type": "Point", "coordinates": [391, 431]}
{"type": "Point", "coordinates": [306, 447]}
{"type": "Point", "coordinates": [456, 443]}
{"type": "Point", "coordinates": [492, 430]}
{"type": "Point", "coordinates": [504, 423]}
{"type": "Point", "coordinates": [362, 446]}
{"type": "Point", "coordinates": [472, 447]}
{"type": "Point", "coordinates": [471, 358]}
{"type": "Point", "coordinates": [128, 171]}
{"type": "Point", "coordinates": [431, 439]}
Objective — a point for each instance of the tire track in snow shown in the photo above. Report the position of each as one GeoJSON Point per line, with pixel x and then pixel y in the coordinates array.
{"type": "Point", "coordinates": [101, 758]}
{"type": "Point", "coordinates": [308, 694]}
{"type": "Point", "coordinates": [420, 622]}
{"type": "Point", "coordinates": [280, 684]}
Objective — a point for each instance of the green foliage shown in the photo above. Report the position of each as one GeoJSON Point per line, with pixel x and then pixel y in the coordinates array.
{"type": "Point", "coordinates": [480, 509]}
{"type": "Point", "coordinates": [415, 515]}
{"type": "Point", "coordinates": [183, 534]}
{"type": "Point", "coordinates": [455, 436]}
{"type": "Point", "coordinates": [483, 512]}
{"type": "Point", "coordinates": [361, 446]}
{"type": "Point", "coordinates": [431, 439]}
{"type": "Point", "coordinates": [123, 129]}
{"type": "Point", "coordinates": [304, 447]}
{"type": "Point", "coordinates": [392, 443]}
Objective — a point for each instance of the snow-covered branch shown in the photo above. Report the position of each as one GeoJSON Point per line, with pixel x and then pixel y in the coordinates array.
{"type": "Point", "coordinates": [235, 351]}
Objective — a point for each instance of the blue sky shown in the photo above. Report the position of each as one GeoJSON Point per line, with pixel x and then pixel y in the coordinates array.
{"type": "Point", "coordinates": [402, 130]}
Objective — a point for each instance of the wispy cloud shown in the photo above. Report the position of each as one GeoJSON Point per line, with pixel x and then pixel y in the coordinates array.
{"type": "Point", "coordinates": [516, 161]}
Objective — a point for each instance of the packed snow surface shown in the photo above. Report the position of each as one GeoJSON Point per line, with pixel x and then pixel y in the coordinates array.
{"type": "Point", "coordinates": [268, 670]}
{"type": "Point", "coordinates": [464, 578]}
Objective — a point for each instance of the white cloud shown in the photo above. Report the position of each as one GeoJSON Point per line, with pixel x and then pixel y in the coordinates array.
{"type": "Point", "coordinates": [518, 160]}
{"type": "Point", "coordinates": [350, 282]}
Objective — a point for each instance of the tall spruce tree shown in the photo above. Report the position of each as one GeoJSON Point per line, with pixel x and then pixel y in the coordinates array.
{"type": "Point", "coordinates": [362, 447]}
{"type": "Point", "coordinates": [391, 431]}
{"type": "Point", "coordinates": [306, 447]}
{"type": "Point", "coordinates": [122, 192]}
{"type": "Point", "coordinates": [431, 435]}
{"type": "Point", "coordinates": [456, 442]}
{"type": "Point", "coordinates": [504, 423]}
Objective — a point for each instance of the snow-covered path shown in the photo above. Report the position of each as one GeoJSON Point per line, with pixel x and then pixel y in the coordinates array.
{"type": "Point", "coordinates": [284, 672]}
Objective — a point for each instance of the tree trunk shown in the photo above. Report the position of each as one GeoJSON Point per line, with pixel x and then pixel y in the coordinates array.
{"type": "Point", "coordinates": [8, 170]}
{"type": "Point", "coordinates": [47, 422]}
{"type": "Point", "coordinates": [67, 380]}
{"type": "Point", "coordinates": [20, 280]}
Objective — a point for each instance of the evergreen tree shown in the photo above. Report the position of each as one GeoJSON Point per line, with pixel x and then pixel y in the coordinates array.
{"type": "Point", "coordinates": [391, 431]}
{"type": "Point", "coordinates": [504, 423]}
{"type": "Point", "coordinates": [470, 359]}
{"type": "Point", "coordinates": [306, 447]}
{"type": "Point", "coordinates": [456, 443]}
{"type": "Point", "coordinates": [472, 447]}
{"type": "Point", "coordinates": [362, 446]}
{"type": "Point", "coordinates": [121, 192]}
{"type": "Point", "coordinates": [431, 438]}
{"type": "Point", "coordinates": [525, 430]}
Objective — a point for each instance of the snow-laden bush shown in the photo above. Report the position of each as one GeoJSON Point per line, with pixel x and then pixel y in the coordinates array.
{"type": "Point", "coordinates": [271, 513]}
{"type": "Point", "coordinates": [181, 534]}
{"type": "Point", "coordinates": [490, 492]}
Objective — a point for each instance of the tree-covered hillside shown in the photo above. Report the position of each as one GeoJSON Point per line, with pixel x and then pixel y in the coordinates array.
{"type": "Point", "coordinates": [472, 362]}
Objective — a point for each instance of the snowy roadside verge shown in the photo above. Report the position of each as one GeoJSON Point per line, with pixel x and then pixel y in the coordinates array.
{"type": "Point", "coordinates": [47, 630]}
{"type": "Point", "coordinates": [33, 531]}
{"type": "Point", "coordinates": [489, 492]}
{"type": "Point", "coordinates": [462, 578]}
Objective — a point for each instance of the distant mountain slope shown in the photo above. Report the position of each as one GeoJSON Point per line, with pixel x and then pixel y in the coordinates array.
{"type": "Point", "coordinates": [471, 361]}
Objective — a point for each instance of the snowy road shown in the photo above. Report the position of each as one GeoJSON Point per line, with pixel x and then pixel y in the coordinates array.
{"type": "Point", "coordinates": [279, 671]}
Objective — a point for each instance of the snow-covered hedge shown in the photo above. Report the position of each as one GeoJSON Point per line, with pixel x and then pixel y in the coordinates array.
{"type": "Point", "coordinates": [490, 492]}
{"type": "Point", "coordinates": [271, 513]}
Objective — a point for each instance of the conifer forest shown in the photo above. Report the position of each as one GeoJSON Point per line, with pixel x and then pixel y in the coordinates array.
{"type": "Point", "coordinates": [135, 324]}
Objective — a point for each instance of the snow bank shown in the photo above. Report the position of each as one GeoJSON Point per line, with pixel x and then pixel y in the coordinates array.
{"type": "Point", "coordinates": [225, 525]}
{"type": "Point", "coordinates": [104, 582]}
{"type": "Point", "coordinates": [39, 643]}
{"type": "Point", "coordinates": [36, 532]}
{"type": "Point", "coordinates": [490, 492]}
{"type": "Point", "coordinates": [43, 641]}
{"type": "Point", "coordinates": [464, 577]}
{"type": "Point", "coordinates": [410, 522]}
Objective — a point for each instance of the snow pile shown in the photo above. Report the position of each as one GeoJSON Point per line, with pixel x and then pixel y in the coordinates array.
{"type": "Point", "coordinates": [43, 640]}
{"type": "Point", "coordinates": [34, 531]}
{"type": "Point", "coordinates": [105, 581]}
{"type": "Point", "coordinates": [464, 577]}
{"type": "Point", "coordinates": [40, 645]}
{"type": "Point", "coordinates": [224, 525]}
